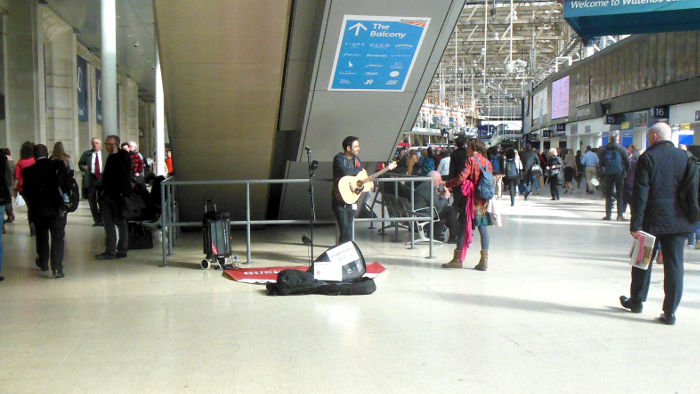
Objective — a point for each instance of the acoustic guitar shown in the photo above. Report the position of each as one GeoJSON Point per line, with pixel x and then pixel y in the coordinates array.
{"type": "Point", "coordinates": [351, 187]}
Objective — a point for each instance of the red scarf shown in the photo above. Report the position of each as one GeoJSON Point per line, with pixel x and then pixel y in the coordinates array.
{"type": "Point", "coordinates": [468, 190]}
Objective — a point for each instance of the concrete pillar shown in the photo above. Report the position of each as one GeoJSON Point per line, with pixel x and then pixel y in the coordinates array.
{"type": "Point", "coordinates": [21, 69]}
{"type": "Point", "coordinates": [108, 52]}
{"type": "Point", "coordinates": [160, 121]}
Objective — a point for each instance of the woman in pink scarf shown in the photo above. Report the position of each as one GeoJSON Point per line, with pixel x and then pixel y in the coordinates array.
{"type": "Point", "coordinates": [474, 213]}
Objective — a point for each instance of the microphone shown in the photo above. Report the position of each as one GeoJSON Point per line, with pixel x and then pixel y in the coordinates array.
{"type": "Point", "coordinates": [307, 148]}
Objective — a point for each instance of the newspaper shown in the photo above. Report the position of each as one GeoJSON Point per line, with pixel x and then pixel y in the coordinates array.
{"type": "Point", "coordinates": [640, 252]}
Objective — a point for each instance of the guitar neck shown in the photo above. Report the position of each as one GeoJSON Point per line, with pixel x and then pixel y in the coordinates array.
{"type": "Point", "coordinates": [376, 174]}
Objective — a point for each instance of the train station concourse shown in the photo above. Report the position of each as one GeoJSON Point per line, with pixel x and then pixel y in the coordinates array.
{"type": "Point", "coordinates": [340, 196]}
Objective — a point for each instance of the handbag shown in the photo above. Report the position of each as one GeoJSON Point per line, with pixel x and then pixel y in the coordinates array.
{"type": "Point", "coordinates": [536, 170]}
{"type": "Point", "coordinates": [496, 217]}
{"type": "Point", "coordinates": [133, 206]}
{"type": "Point", "coordinates": [140, 237]}
{"type": "Point", "coordinates": [19, 201]}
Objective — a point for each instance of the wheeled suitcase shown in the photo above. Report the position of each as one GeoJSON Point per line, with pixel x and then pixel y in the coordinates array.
{"type": "Point", "coordinates": [217, 236]}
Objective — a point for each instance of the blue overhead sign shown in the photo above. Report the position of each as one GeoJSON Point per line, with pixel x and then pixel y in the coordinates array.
{"type": "Point", "coordinates": [593, 18]}
{"type": "Point", "coordinates": [376, 53]}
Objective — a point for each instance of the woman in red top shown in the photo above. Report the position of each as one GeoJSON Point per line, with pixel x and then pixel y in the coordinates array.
{"type": "Point", "coordinates": [26, 159]}
{"type": "Point", "coordinates": [474, 213]}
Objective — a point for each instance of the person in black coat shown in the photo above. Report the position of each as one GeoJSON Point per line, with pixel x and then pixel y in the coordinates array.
{"type": "Point", "coordinates": [528, 157]}
{"type": "Point", "coordinates": [555, 169]}
{"type": "Point", "coordinates": [44, 185]}
{"type": "Point", "coordinates": [613, 175]}
{"type": "Point", "coordinates": [116, 185]}
{"type": "Point", "coordinates": [656, 210]}
{"type": "Point", "coordinates": [345, 163]}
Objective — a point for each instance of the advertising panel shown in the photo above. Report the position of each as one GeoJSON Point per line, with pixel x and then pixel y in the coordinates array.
{"type": "Point", "coordinates": [376, 53]}
{"type": "Point", "coordinates": [82, 89]}
{"type": "Point", "coordinates": [539, 104]}
{"type": "Point", "coordinates": [560, 98]}
{"type": "Point", "coordinates": [98, 95]}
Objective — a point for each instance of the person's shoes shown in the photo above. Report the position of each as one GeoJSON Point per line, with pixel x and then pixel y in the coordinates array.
{"type": "Point", "coordinates": [526, 195]}
{"type": "Point", "coordinates": [105, 256]}
{"type": "Point", "coordinates": [2, 278]}
{"type": "Point", "coordinates": [621, 219]}
{"type": "Point", "coordinates": [631, 305]}
{"type": "Point", "coordinates": [607, 218]}
{"type": "Point", "coordinates": [98, 224]}
{"type": "Point", "coordinates": [41, 267]}
{"type": "Point", "coordinates": [667, 318]}
{"type": "Point", "coordinates": [552, 198]}
{"type": "Point", "coordinates": [455, 262]}
{"type": "Point", "coordinates": [483, 261]}
{"type": "Point", "coordinates": [512, 204]}
{"type": "Point", "coordinates": [120, 255]}
{"type": "Point", "coordinates": [58, 274]}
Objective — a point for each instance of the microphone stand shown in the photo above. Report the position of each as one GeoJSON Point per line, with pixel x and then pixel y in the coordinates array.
{"type": "Point", "coordinates": [311, 198]}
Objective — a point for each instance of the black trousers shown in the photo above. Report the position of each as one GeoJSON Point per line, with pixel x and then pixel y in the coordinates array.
{"type": "Point", "coordinates": [344, 216]}
{"type": "Point", "coordinates": [56, 225]}
{"type": "Point", "coordinates": [672, 247]}
{"type": "Point", "coordinates": [512, 183]}
{"type": "Point", "coordinates": [610, 181]}
{"type": "Point", "coordinates": [95, 206]}
{"type": "Point", "coordinates": [114, 220]}
{"type": "Point", "coordinates": [554, 187]}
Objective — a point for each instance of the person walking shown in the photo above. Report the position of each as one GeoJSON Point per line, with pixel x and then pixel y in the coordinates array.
{"type": "Point", "coordinates": [497, 163]}
{"type": "Point", "coordinates": [569, 171]}
{"type": "Point", "coordinates": [43, 183]}
{"type": "Point", "coordinates": [92, 164]}
{"type": "Point", "coordinates": [614, 165]}
{"type": "Point", "coordinates": [590, 162]}
{"type": "Point", "coordinates": [26, 159]}
{"type": "Point", "coordinates": [655, 210]}
{"type": "Point", "coordinates": [513, 171]}
{"type": "Point", "coordinates": [555, 167]}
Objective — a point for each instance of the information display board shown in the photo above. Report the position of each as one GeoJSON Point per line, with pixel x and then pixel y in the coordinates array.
{"type": "Point", "coordinates": [560, 98]}
{"type": "Point", "coordinates": [539, 104]}
{"type": "Point", "coordinates": [82, 89]}
{"type": "Point", "coordinates": [376, 53]}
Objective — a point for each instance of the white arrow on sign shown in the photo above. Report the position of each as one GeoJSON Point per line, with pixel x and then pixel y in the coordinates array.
{"type": "Point", "coordinates": [357, 26]}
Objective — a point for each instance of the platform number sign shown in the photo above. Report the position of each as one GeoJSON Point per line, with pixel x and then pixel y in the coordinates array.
{"type": "Point", "coordinates": [660, 112]}
{"type": "Point", "coordinates": [376, 53]}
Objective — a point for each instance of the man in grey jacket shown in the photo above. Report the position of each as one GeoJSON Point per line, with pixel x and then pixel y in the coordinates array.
{"type": "Point", "coordinates": [656, 210]}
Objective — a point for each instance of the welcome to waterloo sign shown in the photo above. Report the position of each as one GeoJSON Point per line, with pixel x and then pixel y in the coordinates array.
{"type": "Point", "coordinates": [593, 18]}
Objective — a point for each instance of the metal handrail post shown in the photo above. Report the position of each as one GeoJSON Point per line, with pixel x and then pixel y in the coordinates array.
{"type": "Point", "coordinates": [432, 219]}
{"type": "Point", "coordinates": [396, 198]}
{"type": "Point", "coordinates": [247, 224]}
{"type": "Point", "coordinates": [171, 217]}
{"type": "Point", "coordinates": [413, 208]}
{"type": "Point", "coordinates": [163, 223]}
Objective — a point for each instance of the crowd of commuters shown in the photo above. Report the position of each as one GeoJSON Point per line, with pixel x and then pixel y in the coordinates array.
{"type": "Point", "coordinates": [42, 180]}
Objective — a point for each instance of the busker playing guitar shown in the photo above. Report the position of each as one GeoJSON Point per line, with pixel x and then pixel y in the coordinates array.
{"type": "Point", "coordinates": [345, 163]}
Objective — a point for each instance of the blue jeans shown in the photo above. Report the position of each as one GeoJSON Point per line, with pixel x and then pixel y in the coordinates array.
{"type": "Point", "coordinates": [536, 183]}
{"type": "Point", "coordinates": [2, 221]}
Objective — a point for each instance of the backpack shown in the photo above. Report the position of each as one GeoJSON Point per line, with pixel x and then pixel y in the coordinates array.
{"type": "Point", "coordinates": [484, 187]}
{"type": "Point", "coordinates": [496, 164]}
{"type": "Point", "coordinates": [73, 196]}
{"type": "Point", "coordinates": [688, 190]}
{"type": "Point", "coordinates": [613, 162]}
{"type": "Point", "coordinates": [428, 165]}
{"type": "Point", "coordinates": [512, 169]}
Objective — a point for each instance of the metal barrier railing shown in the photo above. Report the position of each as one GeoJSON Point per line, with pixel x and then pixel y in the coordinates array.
{"type": "Point", "coordinates": [170, 222]}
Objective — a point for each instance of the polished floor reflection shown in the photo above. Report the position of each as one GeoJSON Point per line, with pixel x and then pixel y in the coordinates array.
{"type": "Point", "coordinates": [544, 317]}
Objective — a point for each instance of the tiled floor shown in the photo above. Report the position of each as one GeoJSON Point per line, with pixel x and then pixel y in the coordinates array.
{"type": "Point", "coordinates": [543, 318]}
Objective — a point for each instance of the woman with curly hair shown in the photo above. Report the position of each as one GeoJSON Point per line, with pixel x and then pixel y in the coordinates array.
{"type": "Point", "coordinates": [473, 214]}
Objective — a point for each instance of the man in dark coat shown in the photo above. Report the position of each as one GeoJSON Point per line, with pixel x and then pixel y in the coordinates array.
{"type": "Point", "coordinates": [528, 157]}
{"type": "Point", "coordinates": [116, 185]}
{"type": "Point", "coordinates": [614, 166]}
{"type": "Point", "coordinates": [91, 164]}
{"type": "Point", "coordinates": [656, 210]}
{"type": "Point", "coordinates": [44, 198]}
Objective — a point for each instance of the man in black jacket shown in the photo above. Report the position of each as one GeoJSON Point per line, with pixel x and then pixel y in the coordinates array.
{"type": "Point", "coordinates": [528, 157]}
{"type": "Point", "coordinates": [614, 164]}
{"type": "Point", "coordinates": [656, 211]}
{"type": "Point", "coordinates": [457, 160]}
{"type": "Point", "coordinates": [44, 198]}
{"type": "Point", "coordinates": [6, 176]}
{"type": "Point", "coordinates": [116, 185]}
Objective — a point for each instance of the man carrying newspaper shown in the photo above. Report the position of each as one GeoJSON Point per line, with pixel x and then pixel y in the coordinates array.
{"type": "Point", "coordinates": [656, 210]}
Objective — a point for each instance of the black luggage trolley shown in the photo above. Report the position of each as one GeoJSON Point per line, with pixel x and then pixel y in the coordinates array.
{"type": "Point", "coordinates": [217, 237]}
